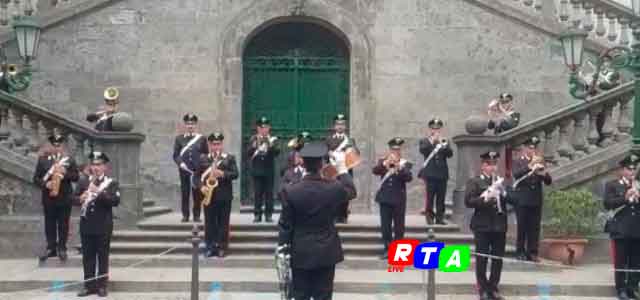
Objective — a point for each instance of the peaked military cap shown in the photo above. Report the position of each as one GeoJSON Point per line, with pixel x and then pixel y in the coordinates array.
{"type": "Point", "coordinates": [506, 97]}
{"type": "Point", "coordinates": [630, 162]}
{"type": "Point", "coordinates": [314, 150]}
{"type": "Point", "coordinates": [490, 156]}
{"type": "Point", "coordinates": [532, 141]}
{"type": "Point", "coordinates": [216, 137]}
{"type": "Point", "coordinates": [435, 123]}
{"type": "Point", "coordinates": [262, 121]}
{"type": "Point", "coordinates": [190, 118]}
{"type": "Point", "coordinates": [340, 118]}
{"type": "Point", "coordinates": [98, 157]}
{"type": "Point", "coordinates": [395, 143]}
{"type": "Point", "coordinates": [56, 139]}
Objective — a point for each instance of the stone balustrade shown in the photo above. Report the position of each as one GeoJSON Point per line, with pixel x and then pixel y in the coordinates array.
{"type": "Point", "coordinates": [24, 128]}
{"type": "Point", "coordinates": [596, 129]}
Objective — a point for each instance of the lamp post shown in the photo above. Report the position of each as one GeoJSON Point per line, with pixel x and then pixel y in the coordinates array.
{"type": "Point", "coordinates": [619, 58]}
{"type": "Point", "coordinates": [27, 33]}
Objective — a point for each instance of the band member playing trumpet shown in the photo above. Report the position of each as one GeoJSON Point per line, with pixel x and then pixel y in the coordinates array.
{"type": "Point", "coordinates": [529, 174]}
{"type": "Point", "coordinates": [187, 150]}
{"type": "Point", "coordinates": [487, 196]}
{"type": "Point", "coordinates": [307, 223]}
{"type": "Point", "coordinates": [435, 170]}
{"type": "Point", "coordinates": [502, 117]}
{"type": "Point", "coordinates": [104, 117]}
{"type": "Point", "coordinates": [217, 171]}
{"type": "Point", "coordinates": [54, 173]}
{"type": "Point", "coordinates": [97, 197]}
{"type": "Point", "coordinates": [395, 173]}
{"type": "Point", "coordinates": [340, 141]}
{"type": "Point", "coordinates": [262, 153]}
{"type": "Point", "coordinates": [621, 198]}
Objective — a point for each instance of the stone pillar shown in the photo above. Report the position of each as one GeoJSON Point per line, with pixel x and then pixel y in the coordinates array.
{"type": "Point", "coordinates": [124, 154]}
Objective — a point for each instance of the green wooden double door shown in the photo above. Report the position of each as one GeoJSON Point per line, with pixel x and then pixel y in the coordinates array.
{"type": "Point", "coordinates": [297, 93]}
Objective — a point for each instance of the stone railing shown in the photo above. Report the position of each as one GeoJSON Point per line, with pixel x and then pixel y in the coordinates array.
{"type": "Point", "coordinates": [24, 128]}
{"type": "Point", "coordinates": [611, 21]}
{"type": "Point", "coordinates": [571, 138]}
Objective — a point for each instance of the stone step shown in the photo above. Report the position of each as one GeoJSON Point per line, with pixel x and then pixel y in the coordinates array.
{"type": "Point", "coordinates": [589, 281]}
{"type": "Point", "coordinates": [153, 225]}
{"type": "Point", "coordinates": [258, 261]}
{"type": "Point", "coordinates": [272, 236]}
{"type": "Point", "coordinates": [249, 208]}
{"type": "Point", "coordinates": [266, 248]}
{"type": "Point", "coordinates": [152, 211]}
{"type": "Point", "coordinates": [212, 293]}
{"type": "Point", "coordinates": [148, 203]}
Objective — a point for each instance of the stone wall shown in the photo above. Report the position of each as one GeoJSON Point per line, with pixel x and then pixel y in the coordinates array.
{"type": "Point", "coordinates": [18, 197]}
{"type": "Point", "coordinates": [411, 60]}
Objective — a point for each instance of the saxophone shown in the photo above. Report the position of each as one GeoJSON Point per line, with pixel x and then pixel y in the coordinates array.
{"type": "Point", "coordinates": [57, 176]}
{"type": "Point", "coordinates": [210, 182]}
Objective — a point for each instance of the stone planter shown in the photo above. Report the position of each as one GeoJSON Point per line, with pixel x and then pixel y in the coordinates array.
{"type": "Point", "coordinates": [567, 251]}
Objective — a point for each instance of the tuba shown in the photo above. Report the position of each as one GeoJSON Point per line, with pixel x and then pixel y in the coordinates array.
{"type": "Point", "coordinates": [210, 182]}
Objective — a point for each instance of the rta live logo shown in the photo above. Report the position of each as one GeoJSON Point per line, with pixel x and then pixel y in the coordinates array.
{"type": "Point", "coordinates": [430, 255]}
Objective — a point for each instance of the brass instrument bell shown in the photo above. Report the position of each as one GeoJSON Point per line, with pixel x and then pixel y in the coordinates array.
{"type": "Point", "coordinates": [12, 69]}
{"type": "Point", "coordinates": [111, 94]}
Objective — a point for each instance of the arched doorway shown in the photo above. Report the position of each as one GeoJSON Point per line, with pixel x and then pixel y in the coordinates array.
{"type": "Point", "coordinates": [296, 74]}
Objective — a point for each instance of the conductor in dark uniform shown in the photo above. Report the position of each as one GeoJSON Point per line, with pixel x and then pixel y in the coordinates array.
{"type": "Point", "coordinates": [187, 149]}
{"type": "Point", "coordinates": [621, 199]}
{"type": "Point", "coordinates": [307, 224]}
{"type": "Point", "coordinates": [97, 197]}
{"type": "Point", "coordinates": [223, 167]}
{"type": "Point", "coordinates": [104, 118]}
{"type": "Point", "coordinates": [395, 173]}
{"type": "Point", "coordinates": [528, 194]}
{"type": "Point", "coordinates": [51, 167]}
{"type": "Point", "coordinates": [340, 141]}
{"type": "Point", "coordinates": [488, 223]}
{"type": "Point", "coordinates": [262, 153]}
{"type": "Point", "coordinates": [436, 172]}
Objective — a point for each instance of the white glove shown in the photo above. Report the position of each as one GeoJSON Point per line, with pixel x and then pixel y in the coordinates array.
{"type": "Point", "coordinates": [340, 162]}
{"type": "Point", "coordinates": [184, 167]}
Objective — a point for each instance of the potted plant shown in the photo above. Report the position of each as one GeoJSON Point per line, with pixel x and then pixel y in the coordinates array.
{"type": "Point", "coordinates": [569, 217]}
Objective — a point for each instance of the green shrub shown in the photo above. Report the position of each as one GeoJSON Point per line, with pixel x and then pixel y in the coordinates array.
{"type": "Point", "coordinates": [571, 214]}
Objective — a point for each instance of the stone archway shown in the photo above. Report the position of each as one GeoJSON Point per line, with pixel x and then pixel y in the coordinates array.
{"type": "Point", "coordinates": [262, 14]}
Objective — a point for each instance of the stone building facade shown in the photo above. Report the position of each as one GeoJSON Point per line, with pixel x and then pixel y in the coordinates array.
{"type": "Point", "coordinates": [408, 60]}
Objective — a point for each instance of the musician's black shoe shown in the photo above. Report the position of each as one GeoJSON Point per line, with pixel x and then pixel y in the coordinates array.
{"type": "Point", "coordinates": [212, 252]}
{"type": "Point", "coordinates": [484, 296]}
{"type": "Point", "coordinates": [441, 222]}
{"type": "Point", "coordinates": [622, 295]}
{"type": "Point", "coordinates": [268, 219]}
{"type": "Point", "coordinates": [86, 292]}
{"type": "Point", "coordinates": [102, 292]}
{"type": "Point", "coordinates": [47, 254]}
{"type": "Point", "coordinates": [494, 295]}
{"type": "Point", "coordinates": [221, 253]}
{"type": "Point", "coordinates": [196, 219]}
{"type": "Point", "coordinates": [257, 219]}
{"type": "Point", "coordinates": [429, 218]}
{"type": "Point", "coordinates": [533, 258]}
{"type": "Point", "coordinates": [521, 256]}
{"type": "Point", "coordinates": [633, 293]}
{"type": "Point", "coordinates": [184, 219]}
{"type": "Point", "coordinates": [341, 220]}
{"type": "Point", "coordinates": [62, 254]}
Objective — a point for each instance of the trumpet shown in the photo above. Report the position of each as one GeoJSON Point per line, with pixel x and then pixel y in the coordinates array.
{"type": "Point", "coordinates": [535, 160]}
{"type": "Point", "coordinates": [395, 162]}
{"type": "Point", "coordinates": [264, 143]}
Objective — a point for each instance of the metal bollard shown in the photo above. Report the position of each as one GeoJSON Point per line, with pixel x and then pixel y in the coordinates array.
{"type": "Point", "coordinates": [431, 276]}
{"type": "Point", "coordinates": [195, 281]}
